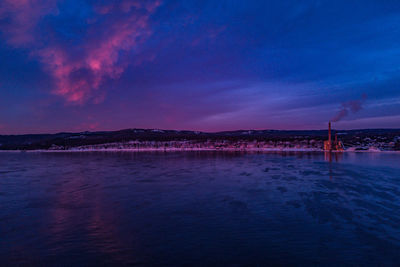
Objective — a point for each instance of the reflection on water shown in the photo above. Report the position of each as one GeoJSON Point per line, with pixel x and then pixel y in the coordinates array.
{"type": "Point", "coordinates": [332, 156]}
{"type": "Point", "coordinates": [199, 208]}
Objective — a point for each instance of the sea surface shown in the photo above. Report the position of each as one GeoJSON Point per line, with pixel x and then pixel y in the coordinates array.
{"type": "Point", "coordinates": [199, 209]}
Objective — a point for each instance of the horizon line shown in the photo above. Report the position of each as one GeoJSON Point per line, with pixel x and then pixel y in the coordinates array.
{"type": "Point", "coordinates": [205, 132]}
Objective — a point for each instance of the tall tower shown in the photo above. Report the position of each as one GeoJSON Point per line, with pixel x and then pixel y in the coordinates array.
{"type": "Point", "coordinates": [330, 137]}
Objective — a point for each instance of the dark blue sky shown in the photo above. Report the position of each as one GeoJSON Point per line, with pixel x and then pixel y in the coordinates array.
{"type": "Point", "coordinates": [75, 65]}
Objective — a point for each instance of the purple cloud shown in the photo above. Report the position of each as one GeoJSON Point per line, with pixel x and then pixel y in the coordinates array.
{"type": "Point", "coordinates": [79, 71]}
{"type": "Point", "coordinates": [351, 106]}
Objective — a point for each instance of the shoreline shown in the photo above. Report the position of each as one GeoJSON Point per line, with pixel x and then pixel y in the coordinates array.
{"type": "Point", "coordinates": [195, 150]}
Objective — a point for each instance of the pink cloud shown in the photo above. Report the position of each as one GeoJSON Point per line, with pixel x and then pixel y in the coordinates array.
{"type": "Point", "coordinates": [79, 70]}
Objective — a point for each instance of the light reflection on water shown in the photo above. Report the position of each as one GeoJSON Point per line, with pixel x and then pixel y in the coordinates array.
{"type": "Point", "coordinates": [199, 208]}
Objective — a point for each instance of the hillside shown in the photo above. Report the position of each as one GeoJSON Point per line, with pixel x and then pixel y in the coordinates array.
{"type": "Point", "coordinates": [385, 139]}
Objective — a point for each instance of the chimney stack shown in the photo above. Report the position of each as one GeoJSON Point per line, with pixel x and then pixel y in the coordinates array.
{"type": "Point", "coordinates": [330, 137]}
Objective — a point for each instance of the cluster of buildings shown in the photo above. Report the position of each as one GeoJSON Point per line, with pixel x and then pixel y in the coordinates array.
{"type": "Point", "coordinates": [333, 145]}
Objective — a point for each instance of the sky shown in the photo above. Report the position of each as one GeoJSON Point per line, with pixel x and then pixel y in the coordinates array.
{"type": "Point", "coordinates": [90, 65]}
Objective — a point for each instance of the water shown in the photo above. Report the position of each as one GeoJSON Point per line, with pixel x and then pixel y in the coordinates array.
{"type": "Point", "coordinates": [199, 208]}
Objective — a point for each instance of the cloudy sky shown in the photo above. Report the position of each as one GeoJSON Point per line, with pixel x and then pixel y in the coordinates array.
{"type": "Point", "coordinates": [76, 65]}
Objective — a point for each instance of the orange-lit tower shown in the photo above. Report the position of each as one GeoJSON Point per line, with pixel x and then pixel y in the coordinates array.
{"type": "Point", "coordinates": [330, 136]}
{"type": "Point", "coordinates": [336, 145]}
{"type": "Point", "coordinates": [336, 141]}
{"type": "Point", "coordinates": [328, 143]}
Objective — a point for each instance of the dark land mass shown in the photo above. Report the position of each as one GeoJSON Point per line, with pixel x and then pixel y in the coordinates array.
{"type": "Point", "coordinates": [389, 138]}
